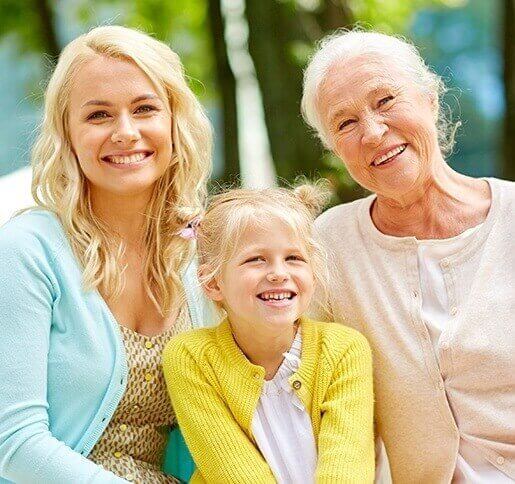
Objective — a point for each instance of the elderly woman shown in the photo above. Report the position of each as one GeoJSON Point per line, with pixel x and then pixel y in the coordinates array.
{"type": "Point", "coordinates": [97, 278]}
{"type": "Point", "coordinates": [424, 266]}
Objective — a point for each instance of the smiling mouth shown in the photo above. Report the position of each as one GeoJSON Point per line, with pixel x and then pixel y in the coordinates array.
{"type": "Point", "coordinates": [127, 159]}
{"type": "Point", "coordinates": [387, 157]}
{"type": "Point", "coordinates": [270, 296]}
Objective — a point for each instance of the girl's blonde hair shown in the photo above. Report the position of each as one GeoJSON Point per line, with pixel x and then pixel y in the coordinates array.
{"type": "Point", "coordinates": [60, 186]}
{"type": "Point", "coordinates": [229, 214]}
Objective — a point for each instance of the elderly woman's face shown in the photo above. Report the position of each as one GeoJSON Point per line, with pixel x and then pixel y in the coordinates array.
{"type": "Point", "coordinates": [380, 124]}
{"type": "Point", "coordinates": [120, 129]}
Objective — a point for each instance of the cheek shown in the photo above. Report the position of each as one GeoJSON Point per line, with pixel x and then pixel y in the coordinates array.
{"type": "Point", "coordinates": [86, 143]}
{"type": "Point", "coordinates": [348, 148]}
{"type": "Point", "coordinates": [307, 280]}
{"type": "Point", "coordinates": [160, 130]}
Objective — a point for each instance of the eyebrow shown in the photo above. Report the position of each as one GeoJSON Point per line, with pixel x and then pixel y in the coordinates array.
{"type": "Point", "coordinates": [373, 91]}
{"type": "Point", "coordinates": [97, 102]}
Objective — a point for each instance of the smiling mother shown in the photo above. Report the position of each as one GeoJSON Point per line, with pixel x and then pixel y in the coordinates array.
{"type": "Point", "coordinates": [424, 267]}
{"type": "Point", "coordinates": [96, 279]}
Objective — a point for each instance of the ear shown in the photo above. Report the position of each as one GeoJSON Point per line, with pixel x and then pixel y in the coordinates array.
{"type": "Point", "coordinates": [435, 105]}
{"type": "Point", "coordinates": [210, 286]}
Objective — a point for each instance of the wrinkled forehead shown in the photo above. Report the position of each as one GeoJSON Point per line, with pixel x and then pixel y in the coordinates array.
{"type": "Point", "coordinates": [366, 72]}
{"type": "Point", "coordinates": [350, 81]}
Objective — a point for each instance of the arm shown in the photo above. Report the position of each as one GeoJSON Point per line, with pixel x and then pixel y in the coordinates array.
{"type": "Point", "coordinates": [219, 446]}
{"type": "Point", "coordinates": [346, 438]}
{"type": "Point", "coordinates": [29, 453]}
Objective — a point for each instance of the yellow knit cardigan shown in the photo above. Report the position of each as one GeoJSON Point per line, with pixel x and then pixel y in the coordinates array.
{"type": "Point", "coordinates": [215, 390]}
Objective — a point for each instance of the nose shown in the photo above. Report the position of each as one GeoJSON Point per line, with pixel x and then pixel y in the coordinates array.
{"type": "Point", "coordinates": [277, 275]}
{"type": "Point", "coordinates": [125, 131]}
{"type": "Point", "coordinates": [374, 129]}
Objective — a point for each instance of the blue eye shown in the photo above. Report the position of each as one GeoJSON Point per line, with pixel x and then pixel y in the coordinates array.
{"type": "Point", "coordinates": [345, 123]}
{"type": "Point", "coordinates": [296, 258]}
{"type": "Point", "coordinates": [98, 115]}
{"type": "Point", "coordinates": [384, 101]}
{"type": "Point", "coordinates": [146, 108]}
{"type": "Point", "coordinates": [254, 259]}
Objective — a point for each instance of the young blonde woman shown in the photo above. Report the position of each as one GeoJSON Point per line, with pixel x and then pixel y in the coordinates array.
{"type": "Point", "coordinates": [97, 278]}
{"type": "Point", "coordinates": [269, 395]}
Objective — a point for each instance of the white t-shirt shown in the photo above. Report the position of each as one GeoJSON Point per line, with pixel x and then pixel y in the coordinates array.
{"type": "Point", "coordinates": [282, 427]}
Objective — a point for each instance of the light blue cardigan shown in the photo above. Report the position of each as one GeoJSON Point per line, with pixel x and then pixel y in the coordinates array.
{"type": "Point", "coordinates": [62, 361]}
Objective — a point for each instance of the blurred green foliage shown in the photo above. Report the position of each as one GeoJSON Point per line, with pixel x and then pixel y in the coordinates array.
{"type": "Point", "coordinates": [185, 25]}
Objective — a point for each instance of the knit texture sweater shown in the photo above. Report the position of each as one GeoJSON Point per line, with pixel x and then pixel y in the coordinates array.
{"type": "Point", "coordinates": [215, 390]}
{"type": "Point", "coordinates": [427, 401]}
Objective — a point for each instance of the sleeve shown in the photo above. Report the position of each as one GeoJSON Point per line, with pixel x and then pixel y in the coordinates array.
{"type": "Point", "coordinates": [29, 453]}
{"type": "Point", "coordinates": [346, 439]}
{"type": "Point", "coordinates": [220, 448]}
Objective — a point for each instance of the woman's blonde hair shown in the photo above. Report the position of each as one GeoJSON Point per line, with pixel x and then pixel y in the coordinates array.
{"type": "Point", "coordinates": [229, 214]}
{"type": "Point", "coordinates": [60, 186]}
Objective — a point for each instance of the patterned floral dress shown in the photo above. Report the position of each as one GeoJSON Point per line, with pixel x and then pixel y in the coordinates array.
{"type": "Point", "coordinates": [133, 444]}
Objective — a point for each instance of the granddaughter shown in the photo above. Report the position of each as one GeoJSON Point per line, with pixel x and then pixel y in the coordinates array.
{"type": "Point", "coordinates": [270, 395]}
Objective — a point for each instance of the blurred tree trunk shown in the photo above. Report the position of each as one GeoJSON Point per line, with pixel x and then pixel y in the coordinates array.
{"type": "Point", "coordinates": [47, 32]}
{"type": "Point", "coordinates": [227, 87]}
{"type": "Point", "coordinates": [508, 170]}
{"type": "Point", "coordinates": [275, 30]}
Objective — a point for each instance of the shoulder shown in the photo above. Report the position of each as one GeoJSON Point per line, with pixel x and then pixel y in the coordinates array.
{"type": "Point", "coordinates": [336, 213]}
{"type": "Point", "coordinates": [341, 219]}
{"type": "Point", "coordinates": [338, 341]}
{"type": "Point", "coordinates": [192, 345]}
{"type": "Point", "coordinates": [506, 190]}
{"type": "Point", "coordinates": [506, 185]}
{"type": "Point", "coordinates": [35, 231]}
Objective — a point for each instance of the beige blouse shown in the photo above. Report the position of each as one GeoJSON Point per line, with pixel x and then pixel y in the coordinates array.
{"type": "Point", "coordinates": [427, 401]}
{"type": "Point", "coordinates": [133, 444]}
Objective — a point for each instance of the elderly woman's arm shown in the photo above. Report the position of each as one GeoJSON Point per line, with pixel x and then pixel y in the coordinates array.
{"type": "Point", "coordinates": [29, 453]}
{"type": "Point", "coordinates": [346, 438]}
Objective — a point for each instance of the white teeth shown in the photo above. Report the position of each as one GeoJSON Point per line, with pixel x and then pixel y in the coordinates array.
{"type": "Point", "coordinates": [277, 296]}
{"type": "Point", "coordinates": [122, 160]}
{"type": "Point", "coordinates": [389, 155]}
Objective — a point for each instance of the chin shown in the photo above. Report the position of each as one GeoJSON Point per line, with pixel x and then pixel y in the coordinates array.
{"type": "Point", "coordinates": [402, 182]}
{"type": "Point", "coordinates": [286, 320]}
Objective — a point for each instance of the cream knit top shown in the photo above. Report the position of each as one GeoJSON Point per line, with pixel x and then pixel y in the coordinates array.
{"type": "Point", "coordinates": [425, 404]}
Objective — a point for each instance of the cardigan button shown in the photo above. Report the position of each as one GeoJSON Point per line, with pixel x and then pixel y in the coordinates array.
{"type": "Point", "coordinates": [500, 460]}
{"type": "Point", "coordinates": [296, 384]}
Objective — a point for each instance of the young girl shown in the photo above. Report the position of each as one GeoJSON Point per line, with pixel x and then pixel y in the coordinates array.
{"type": "Point", "coordinates": [270, 395]}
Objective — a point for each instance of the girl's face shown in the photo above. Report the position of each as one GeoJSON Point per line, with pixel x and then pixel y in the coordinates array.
{"type": "Point", "coordinates": [269, 279]}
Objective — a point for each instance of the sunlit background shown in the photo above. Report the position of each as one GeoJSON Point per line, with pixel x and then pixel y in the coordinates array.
{"type": "Point", "coordinates": [245, 61]}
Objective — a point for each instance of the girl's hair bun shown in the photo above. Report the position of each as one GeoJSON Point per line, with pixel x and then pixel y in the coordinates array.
{"type": "Point", "coordinates": [314, 195]}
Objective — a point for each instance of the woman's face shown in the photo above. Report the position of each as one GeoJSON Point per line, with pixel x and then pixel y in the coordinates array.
{"type": "Point", "coordinates": [380, 124]}
{"type": "Point", "coordinates": [120, 129]}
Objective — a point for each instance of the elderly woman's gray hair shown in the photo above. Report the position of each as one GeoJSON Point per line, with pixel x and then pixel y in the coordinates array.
{"type": "Point", "coordinates": [344, 45]}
